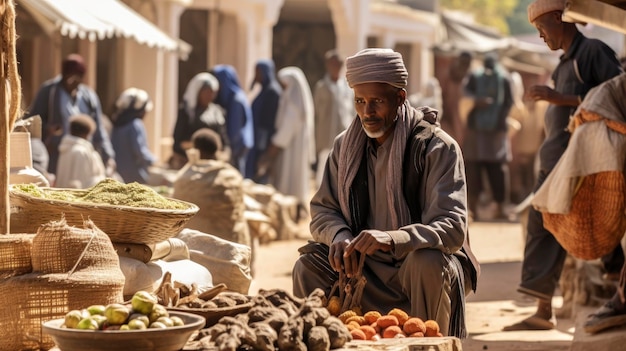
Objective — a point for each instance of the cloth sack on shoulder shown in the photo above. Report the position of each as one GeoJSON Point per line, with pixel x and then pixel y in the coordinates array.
{"type": "Point", "coordinates": [216, 188]}
{"type": "Point", "coordinates": [228, 262]}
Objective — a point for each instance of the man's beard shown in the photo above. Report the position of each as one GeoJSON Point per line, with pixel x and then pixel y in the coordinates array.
{"type": "Point", "coordinates": [379, 133]}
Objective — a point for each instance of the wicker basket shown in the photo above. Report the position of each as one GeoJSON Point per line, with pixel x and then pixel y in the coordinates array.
{"type": "Point", "coordinates": [72, 268]}
{"type": "Point", "coordinates": [123, 224]}
{"type": "Point", "coordinates": [596, 222]}
{"type": "Point", "coordinates": [15, 250]}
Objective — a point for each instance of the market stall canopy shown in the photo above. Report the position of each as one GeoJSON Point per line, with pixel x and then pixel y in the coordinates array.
{"type": "Point", "coordinates": [610, 14]}
{"type": "Point", "coordinates": [460, 34]}
{"type": "Point", "coordinates": [457, 34]}
{"type": "Point", "coordinates": [98, 20]}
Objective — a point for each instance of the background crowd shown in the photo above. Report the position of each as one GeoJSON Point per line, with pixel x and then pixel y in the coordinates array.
{"type": "Point", "coordinates": [281, 130]}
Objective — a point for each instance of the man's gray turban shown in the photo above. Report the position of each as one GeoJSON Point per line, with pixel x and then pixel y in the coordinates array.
{"type": "Point", "coordinates": [376, 66]}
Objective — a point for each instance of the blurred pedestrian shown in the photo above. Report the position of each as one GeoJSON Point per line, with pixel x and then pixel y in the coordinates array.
{"type": "Point", "coordinates": [129, 137]}
{"type": "Point", "coordinates": [80, 166]}
{"type": "Point", "coordinates": [291, 153]}
{"type": "Point", "coordinates": [264, 109]}
{"type": "Point", "coordinates": [585, 64]}
{"type": "Point", "coordinates": [486, 146]}
{"type": "Point", "coordinates": [239, 123]}
{"type": "Point", "coordinates": [62, 97]}
{"type": "Point", "coordinates": [197, 111]}
{"type": "Point", "coordinates": [334, 109]}
{"type": "Point", "coordinates": [452, 86]}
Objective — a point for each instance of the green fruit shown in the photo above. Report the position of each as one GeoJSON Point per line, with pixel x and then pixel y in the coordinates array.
{"type": "Point", "coordinates": [157, 312]}
{"type": "Point", "coordinates": [87, 324]}
{"type": "Point", "coordinates": [158, 325]}
{"type": "Point", "coordinates": [165, 320]}
{"type": "Point", "coordinates": [116, 313]}
{"type": "Point", "coordinates": [143, 302]}
{"type": "Point", "coordinates": [85, 313]}
{"type": "Point", "coordinates": [72, 318]}
{"type": "Point", "coordinates": [141, 317]}
{"type": "Point", "coordinates": [136, 324]}
{"type": "Point", "coordinates": [177, 321]}
{"type": "Point", "coordinates": [124, 327]}
{"type": "Point", "coordinates": [100, 319]}
{"type": "Point", "coordinates": [96, 310]}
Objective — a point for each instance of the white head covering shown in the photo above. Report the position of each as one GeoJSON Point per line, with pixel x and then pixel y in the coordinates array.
{"type": "Point", "coordinates": [376, 66]}
{"type": "Point", "coordinates": [541, 7]}
{"type": "Point", "coordinates": [196, 83]}
{"type": "Point", "coordinates": [298, 93]}
{"type": "Point", "coordinates": [137, 97]}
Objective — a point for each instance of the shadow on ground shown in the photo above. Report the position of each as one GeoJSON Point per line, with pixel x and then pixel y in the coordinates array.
{"type": "Point", "coordinates": [497, 304]}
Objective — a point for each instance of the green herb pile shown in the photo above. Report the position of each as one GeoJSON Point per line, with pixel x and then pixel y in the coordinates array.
{"type": "Point", "coordinates": [107, 191]}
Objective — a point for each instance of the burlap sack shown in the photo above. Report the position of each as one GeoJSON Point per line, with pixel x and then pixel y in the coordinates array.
{"type": "Point", "coordinates": [228, 262]}
{"type": "Point", "coordinates": [57, 248]}
{"type": "Point", "coordinates": [216, 188]}
{"type": "Point", "coordinates": [72, 268]}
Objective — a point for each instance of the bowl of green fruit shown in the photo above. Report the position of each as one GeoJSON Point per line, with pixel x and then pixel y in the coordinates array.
{"type": "Point", "coordinates": [141, 325]}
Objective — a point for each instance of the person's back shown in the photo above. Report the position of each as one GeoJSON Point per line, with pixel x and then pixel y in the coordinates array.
{"type": "Point", "coordinates": [264, 109]}
{"type": "Point", "coordinates": [129, 137]}
{"type": "Point", "coordinates": [79, 166]}
{"type": "Point", "coordinates": [216, 187]}
{"type": "Point", "coordinates": [291, 153]}
{"type": "Point", "coordinates": [239, 123]}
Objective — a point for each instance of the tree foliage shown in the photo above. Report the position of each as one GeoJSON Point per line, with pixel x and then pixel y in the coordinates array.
{"type": "Point", "coordinates": [492, 13]}
{"type": "Point", "coordinates": [518, 20]}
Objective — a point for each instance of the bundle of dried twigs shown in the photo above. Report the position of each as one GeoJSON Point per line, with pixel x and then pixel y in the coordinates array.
{"type": "Point", "coordinates": [350, 289]}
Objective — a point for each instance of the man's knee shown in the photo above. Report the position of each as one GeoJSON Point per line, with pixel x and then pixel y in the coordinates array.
{"type": "Point", "coordinates": [429, 258]}
{"type": "Point", "coordinates": [308, 274]}
{"type": "Point", "coordinates": [299, 276]}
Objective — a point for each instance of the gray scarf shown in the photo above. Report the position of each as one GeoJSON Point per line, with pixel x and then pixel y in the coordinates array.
{"type": "Point", "coordinates": [350, 157]}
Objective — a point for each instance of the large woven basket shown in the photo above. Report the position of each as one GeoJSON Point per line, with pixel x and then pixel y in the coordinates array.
{"type": "Point", "coordinates": [123, 224]}
{"type": "Point", "coordinates": [596, 222]}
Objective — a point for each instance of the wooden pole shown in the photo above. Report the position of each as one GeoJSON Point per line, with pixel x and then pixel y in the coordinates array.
{"type": "Point", "coordinates": [4, 133]}
{"type": "Point", "coordinates": [4, 149]}
{"type": "Point", "coordinates": [10, 96]}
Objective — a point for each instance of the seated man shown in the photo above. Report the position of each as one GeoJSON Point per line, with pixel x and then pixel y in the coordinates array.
{"type": "Point", "coordinates": [393, 190]}
{"type": "Point", "coordinates": [216, 187]}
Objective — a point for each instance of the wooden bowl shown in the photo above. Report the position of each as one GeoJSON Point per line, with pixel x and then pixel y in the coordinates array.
{"type": "Point", "coordinates": [169, 339]}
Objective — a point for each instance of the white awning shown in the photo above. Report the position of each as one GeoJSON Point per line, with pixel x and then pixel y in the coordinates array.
{"type": "Point", "coordinates": [610, 14]}
{"type": "Point", "coordinates": [99, 19]}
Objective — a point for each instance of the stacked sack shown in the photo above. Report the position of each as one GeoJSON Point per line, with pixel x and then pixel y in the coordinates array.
{"type": "Point", "coordinates": [70, 268]}
{"type": "Point", "coordinates": [145, 265]}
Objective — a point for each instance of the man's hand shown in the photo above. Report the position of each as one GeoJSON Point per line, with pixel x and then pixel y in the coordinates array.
{"type": "Point", "coordinates": [366, 243]}
{"type": "Point", "coordinates": [110, 167]}
{"type": "Point", "coordinates": [338, 259]}
{"type": "Point", "coordinates": [483, 102]}
{"type": "Point", "coordinates": [542, 92]}
{"type": "Point", "coordinates": [266, 161]}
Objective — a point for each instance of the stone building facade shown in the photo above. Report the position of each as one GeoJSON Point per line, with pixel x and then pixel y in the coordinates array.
{"type": "Point", "coordinates": [235, 32]}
